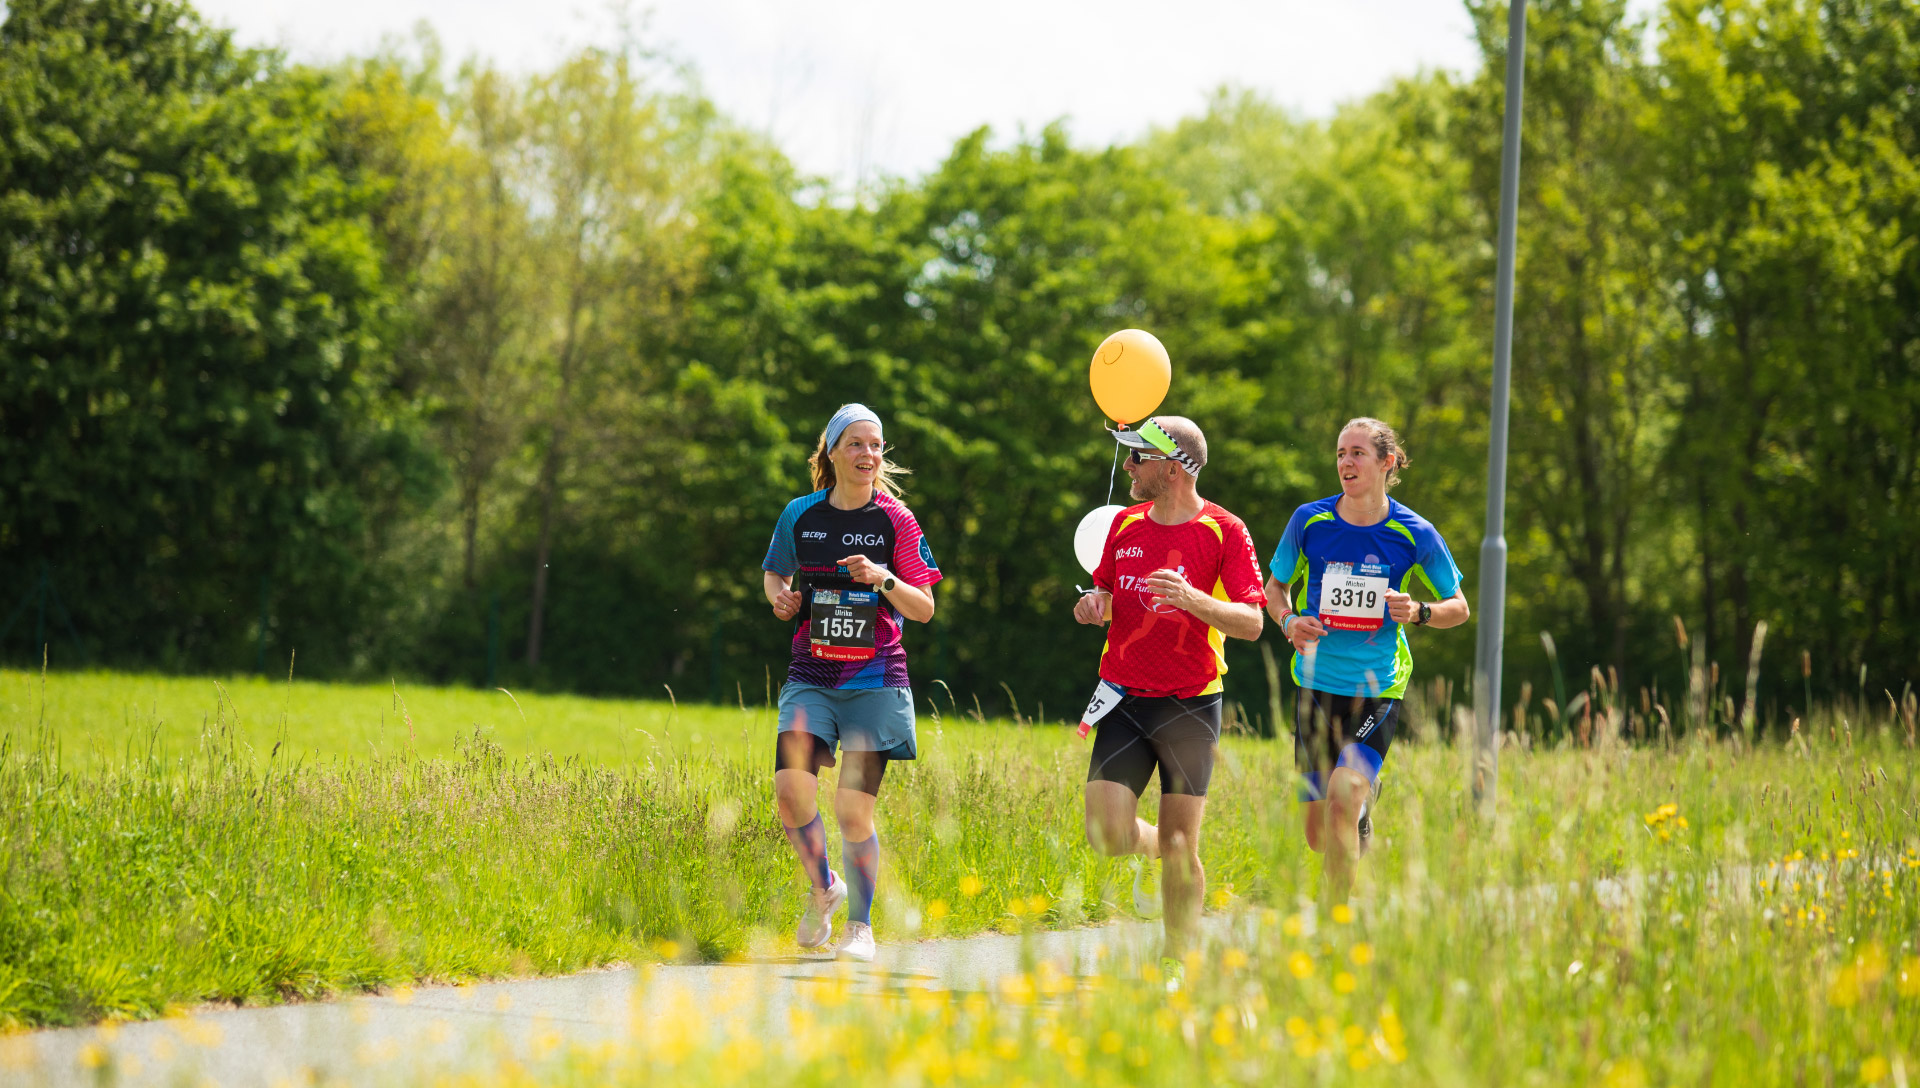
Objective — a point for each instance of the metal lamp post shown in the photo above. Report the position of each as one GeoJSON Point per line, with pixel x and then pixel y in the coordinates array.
{"type": "Point", "coordinates": [1493, 547]}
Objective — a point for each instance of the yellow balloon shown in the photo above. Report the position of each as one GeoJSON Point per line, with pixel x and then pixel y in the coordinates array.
{"type": "Point", "coordinates": [1130, 375]}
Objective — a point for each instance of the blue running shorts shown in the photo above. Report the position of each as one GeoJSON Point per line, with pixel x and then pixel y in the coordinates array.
{"type": "Point", "coordinates": [852, 719]}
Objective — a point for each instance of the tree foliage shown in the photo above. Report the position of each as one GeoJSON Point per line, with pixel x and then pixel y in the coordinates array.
{"type": "Point", "coordinates": [251, 310]}
{"type": "Point", "coordinates": [197, 403]}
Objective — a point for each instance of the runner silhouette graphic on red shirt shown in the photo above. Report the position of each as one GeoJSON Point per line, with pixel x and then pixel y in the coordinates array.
{"type": "Point", "coordinates": [1154, 612]}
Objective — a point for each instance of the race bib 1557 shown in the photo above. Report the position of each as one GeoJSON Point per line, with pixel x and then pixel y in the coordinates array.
{"type": "Point", "coordinates": [842, 626]}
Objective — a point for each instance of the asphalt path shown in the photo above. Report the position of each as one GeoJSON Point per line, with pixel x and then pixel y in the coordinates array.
{"type": "Point", "coordinates": [415, 1035]}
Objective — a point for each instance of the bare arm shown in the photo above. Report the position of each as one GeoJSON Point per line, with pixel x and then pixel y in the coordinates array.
{"type": "Point", "coordinates": [914, 602]}
{"type": "Point", "coordinates": [1231, 618]}
{"type": "Point", "coordinates": [1095, 607]}
{"type": "Point", "coordinates": [1304, 631]}
{"type": "Point", "coordinates": [1451, 612]}
{"type": "Point", "coordinates": [780, 594]}
{"type": "Point", "coordinates": [1279, 600]}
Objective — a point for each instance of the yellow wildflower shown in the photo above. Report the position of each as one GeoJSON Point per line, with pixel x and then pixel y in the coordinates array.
{"type": "Point", "coordinates": [1361, 955]}
{"type": "Point", "coordinates": [1300, 964]}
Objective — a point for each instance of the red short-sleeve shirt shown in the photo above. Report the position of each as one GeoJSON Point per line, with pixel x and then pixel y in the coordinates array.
{"type": "Point", "coordinates": [1154, 648]}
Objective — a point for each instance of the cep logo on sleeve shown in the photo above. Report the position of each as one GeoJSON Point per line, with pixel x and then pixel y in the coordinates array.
{"type": "Point", "coordinates": [811, 535]}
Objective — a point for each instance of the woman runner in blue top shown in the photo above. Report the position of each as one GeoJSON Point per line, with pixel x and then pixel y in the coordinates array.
{"type": "Point", "coordinates": [847, 563]}
{"type": "Point", "coordinates": [1354, 556]}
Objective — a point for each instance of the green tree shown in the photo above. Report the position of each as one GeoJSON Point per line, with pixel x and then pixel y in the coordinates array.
{"type": "Point", "coordinates": [1787, 139]}
{"type": "Point", "coordinates": [605, 157]}
{"type": "Point", "coordinates": [1591, 398]}
{"type": "Point", "coordinates": [197, 398]}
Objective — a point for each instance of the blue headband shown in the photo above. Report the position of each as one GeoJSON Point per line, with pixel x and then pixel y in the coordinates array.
{"type": "Point", "coordinates": [847, 416]}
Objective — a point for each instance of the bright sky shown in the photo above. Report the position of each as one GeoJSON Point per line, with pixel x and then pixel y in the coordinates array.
{"type": "Point", "coordinates": [851, 87]}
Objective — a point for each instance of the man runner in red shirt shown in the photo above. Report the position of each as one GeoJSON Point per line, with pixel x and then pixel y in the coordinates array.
{"type": "Point", "coordinates": [1178, 574]}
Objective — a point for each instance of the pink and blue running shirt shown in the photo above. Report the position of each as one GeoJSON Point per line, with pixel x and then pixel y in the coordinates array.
{"type": "Point", "coordinates": [1374, 663]}
{"type": "Point", "coordinates": [809, 541]}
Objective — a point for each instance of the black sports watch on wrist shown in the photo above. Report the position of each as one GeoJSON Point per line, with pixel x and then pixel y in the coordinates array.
{"type": "Point", "coordinates": [1426, 613]}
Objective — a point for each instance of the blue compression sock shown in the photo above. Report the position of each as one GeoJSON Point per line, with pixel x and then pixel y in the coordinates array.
{"type": "Point", "coordinates": [863, 868]}
{"type": "Point", "coordinates": [810, 842]}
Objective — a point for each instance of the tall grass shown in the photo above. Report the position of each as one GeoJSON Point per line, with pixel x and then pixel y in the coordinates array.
{"type": "Point", "coordinates": [216, 863]}
{"type": "Point", "coordinates": [1708, 906]}
{"type": "Point", "coordinates": [1715, 913]}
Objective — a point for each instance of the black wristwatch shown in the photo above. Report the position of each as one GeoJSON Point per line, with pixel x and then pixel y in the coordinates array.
{"type": "Point", "coordinates": [1426, 613]}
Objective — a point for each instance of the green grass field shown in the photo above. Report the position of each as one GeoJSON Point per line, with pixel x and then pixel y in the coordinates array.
{"type": "Point", "coordinates": [171, 841]}
{"type": "Point", "coordinates": [1758, 922]}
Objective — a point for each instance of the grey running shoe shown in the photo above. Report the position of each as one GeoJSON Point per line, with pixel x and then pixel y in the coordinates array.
{"type": "Point", "coordinates": [816, 922]}
{"type": "Point", "coordinates": [857, 945]}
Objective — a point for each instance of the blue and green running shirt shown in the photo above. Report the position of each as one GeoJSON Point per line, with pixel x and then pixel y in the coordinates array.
{"type": "Point", "coordinates": [1345, 568]}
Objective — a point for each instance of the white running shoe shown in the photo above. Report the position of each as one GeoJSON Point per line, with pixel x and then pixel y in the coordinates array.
{"type": "Point", "coordinates": [857, 944]}
{"type": "Point", "coordinates": [1146, 901]}
{"type": "Point", "coordinates": [816, 922]}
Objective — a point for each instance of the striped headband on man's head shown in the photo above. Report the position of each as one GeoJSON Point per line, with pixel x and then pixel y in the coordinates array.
{"type": "Point", "coordinates": [1149, 435]}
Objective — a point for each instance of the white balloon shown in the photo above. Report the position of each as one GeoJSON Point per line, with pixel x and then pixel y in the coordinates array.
{"type": "Point", "coordinates": [1091, 536]}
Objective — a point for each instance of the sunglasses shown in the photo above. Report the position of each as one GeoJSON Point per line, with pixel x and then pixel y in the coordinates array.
{"type": "Point", "coordinates": [1135, 457]}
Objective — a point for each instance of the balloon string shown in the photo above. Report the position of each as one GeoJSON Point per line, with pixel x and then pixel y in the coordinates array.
{"type": "Point", "coordinates": [1113, 473]}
